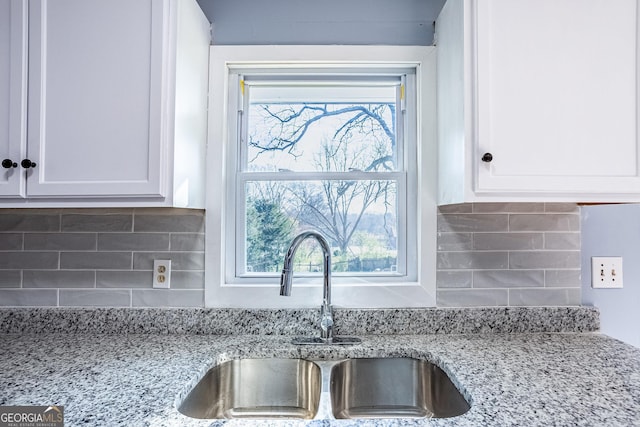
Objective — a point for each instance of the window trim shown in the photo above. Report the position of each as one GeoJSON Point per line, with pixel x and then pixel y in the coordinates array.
{"type": "Point", "coordinates": [220, 293]}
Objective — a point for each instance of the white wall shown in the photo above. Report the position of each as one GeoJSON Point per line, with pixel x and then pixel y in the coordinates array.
{"type": "Point", "coordinates": [614, 230]}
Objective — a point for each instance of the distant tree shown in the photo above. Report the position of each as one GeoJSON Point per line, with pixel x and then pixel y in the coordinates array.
{"type": "Point", "coordinates": [269, 231]}
{"type": "Point", "coordinates": [337, 207]}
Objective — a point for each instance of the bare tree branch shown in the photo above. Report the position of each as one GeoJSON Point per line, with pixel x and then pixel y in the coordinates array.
{"type": "Point", "coordinates": [291, 132]}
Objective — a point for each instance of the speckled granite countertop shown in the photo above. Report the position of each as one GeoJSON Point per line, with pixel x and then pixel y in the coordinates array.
{"type": "Point", "coordinates": [512, 380]}
{"type": "Point", "coordinates": [136, 379]}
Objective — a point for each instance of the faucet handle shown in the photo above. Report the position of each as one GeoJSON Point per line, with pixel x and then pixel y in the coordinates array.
{"type": "Point", "coordinates": [326, 322]}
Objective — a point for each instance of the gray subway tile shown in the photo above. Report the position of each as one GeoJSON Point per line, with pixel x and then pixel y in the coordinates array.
{"type": "Point", "coordinates": [457, 208]}
{"type": "Point", "coordinates": [507, 207]}
{"type": "Point", "coordinates": [28, 260]}
{"type": "Point", "coordinates": [94, 222]}
{"type": "Point", "coordinates": [10, 279]}
{"type": "Point", "coordinates": [133, 241]}
{"type": "Point", "coordinates": [11, 241]}
{"type": "Point", "coordinates": [58, 279]}
{"type": "Point", "coordinates": [167, 298]}
{"type": "Point", "coordinates": [187, 242]}
{"type": "Point", "coordinates": [544, 222]}
{"type": "Point", "coordinates": [29, 297]}
{"type": "Point", "coordinates": [508, 241]}
{"type": "Point", "coordinates": [471, 260]}
{"type": "Point", "coordinates": [60, 241]}
{"type": "Point", "coordinates": [192, 222]}
{"type": "Point", "coordinates": [570, 241]}
{"type": "Point", "coordinates": [544, 297]}
{"type": "Point", "coordinates": [16, 221]}
{"type": "Point", "coordinates": [187, 279]}
{"type": "Point", "coordinates": [563, 278]}
{"type": "Point", "coordinates": [473, 222]}
{"type": "Point", "coordinates": [455, 241]}
{"type": "Point", "coordinates": [124, 279]}
{"type": "Point", "coordinates": [508, 278]}
{"type": "Point", "coordinates": [95, 298]}
{"type": "Point", "coordinates": [472, 297]}
{"type": "Point", "coordinates": [95, 260]}
{"type": "Point", "coordinates": [561, 207]}
{"type": "Point", "coordinates": [179, 260]}
{"type": "Point", "coordinates": [454, 279]}
{"type": "Point", "coordinates": [544, 259]}
{"type": "Point", "coordinates": [142, 279]}
{"type": "Point", "coordinates": [98, 211]}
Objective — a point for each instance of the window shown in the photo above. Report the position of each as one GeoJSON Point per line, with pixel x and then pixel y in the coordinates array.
{"type": "Point", "coordinates": [322, 150]}
{"type": "Point", "coordinates": [331, 145]}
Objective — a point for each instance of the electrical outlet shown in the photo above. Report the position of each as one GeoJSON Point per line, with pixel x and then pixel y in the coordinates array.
{"type": "Point", "coordinates": [162, 273]}
{"type": "Point", "coordinates": [606, 272]}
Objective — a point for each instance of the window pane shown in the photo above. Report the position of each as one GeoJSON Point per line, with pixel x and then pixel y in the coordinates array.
{"type": "Point", "coordinates": [294, 128]}
{"type": "Point", "coordinates": [358, 218]}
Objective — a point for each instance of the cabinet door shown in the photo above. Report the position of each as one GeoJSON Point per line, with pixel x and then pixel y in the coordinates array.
{"type": "Point", "coordinates": [557, 96]}
{"type": "Point", "coordinates": [13, 85]}
{"type": "Point", "coordinates": [95, 93]}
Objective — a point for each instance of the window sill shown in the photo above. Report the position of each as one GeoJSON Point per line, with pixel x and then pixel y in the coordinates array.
{"type": "Point", "coordinates": [392, 295]}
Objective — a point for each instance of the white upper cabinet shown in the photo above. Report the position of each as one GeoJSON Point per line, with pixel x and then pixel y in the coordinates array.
{"type": "Point", "coordinates": [95, 80]}
{"type": "Point", "coordinates": [103, 122]}
{"type": "Point", "coordinates": [13, 92]}
{"type": "Point", "coordinates": [549, 90]}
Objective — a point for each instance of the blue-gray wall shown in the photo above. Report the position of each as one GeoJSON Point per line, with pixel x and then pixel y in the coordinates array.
{"type": "Point", "coordinates": [614, 230]}
{"type": "Point", "coordinates": [359, 22]}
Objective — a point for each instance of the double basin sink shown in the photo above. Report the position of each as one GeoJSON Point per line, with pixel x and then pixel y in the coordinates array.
{"type": "Point", "coordinates": [295, 388]}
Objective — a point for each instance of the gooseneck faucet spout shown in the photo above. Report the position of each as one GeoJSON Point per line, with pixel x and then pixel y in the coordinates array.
{"type": "Point", "coordinates": [326, 311]}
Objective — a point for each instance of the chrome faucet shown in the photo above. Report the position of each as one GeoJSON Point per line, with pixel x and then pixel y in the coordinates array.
{"type": "Point", "coordinates": [326, 310]}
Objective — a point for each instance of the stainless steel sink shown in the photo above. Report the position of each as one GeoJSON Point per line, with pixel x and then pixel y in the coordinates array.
{"type": "Point", "coordinates": [393, 387]}
{"type": "Point", "coordinates": [256, 388]}
{"type": "Point", "coordinates": [324, 389]}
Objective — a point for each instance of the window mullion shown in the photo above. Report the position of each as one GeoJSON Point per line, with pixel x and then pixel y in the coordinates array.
{"type": "Point", "coordinates": [403, 222]}
{"type": "Point", "coordinates": [401, 94]}
{"type": "Point", "coordinates": [243, 123]}
{"type": "Point", "coordinates": [240, 226]}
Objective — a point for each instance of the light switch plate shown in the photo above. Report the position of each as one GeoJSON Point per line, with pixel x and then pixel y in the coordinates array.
{"type": "Point", "coordinates": [606, 272]}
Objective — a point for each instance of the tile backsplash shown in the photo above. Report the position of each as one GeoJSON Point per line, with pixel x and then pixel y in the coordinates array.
{"type": "Point", "coordinates": [491, 254]}
{"type": "Point", "coordinates": [100, 257]}
{"type": "Point", "coordinates": [508, 254]}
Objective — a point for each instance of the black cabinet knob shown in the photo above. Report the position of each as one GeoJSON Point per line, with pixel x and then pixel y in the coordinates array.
{"type": "Point", "coordinates": [487, 157]}
{"type": "Point", "coordinates": [26, 163]}
{"type": "Point", "coordinates": [8, 164]}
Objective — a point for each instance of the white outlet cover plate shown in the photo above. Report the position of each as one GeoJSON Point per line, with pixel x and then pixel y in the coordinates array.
{"type": "Point", "coordinates": [166, 282]}
{"type": "Point", "coordinates": [606, 272]}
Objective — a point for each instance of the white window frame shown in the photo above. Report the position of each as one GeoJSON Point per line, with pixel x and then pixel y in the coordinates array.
{"type": "Point", "coordinates": [407, 167]}
{"type": "Point", "coordinates": [221, 289]}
